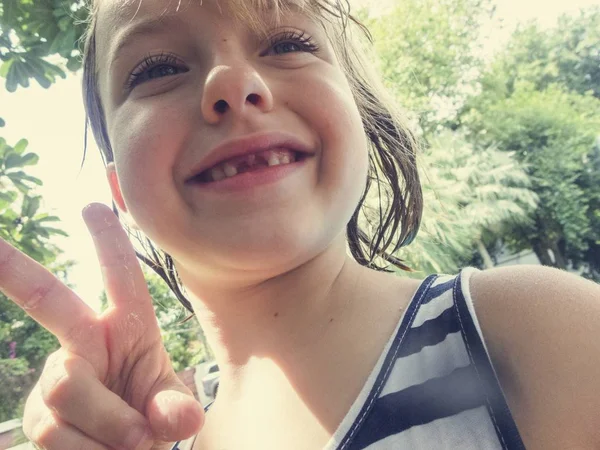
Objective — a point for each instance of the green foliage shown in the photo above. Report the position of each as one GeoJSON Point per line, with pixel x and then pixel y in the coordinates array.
{"type": "Point", "coordinates": [24, 345]}
{"type": "Point", "coordinates": [183, 339]}
{"type": "Point", "coordinates": [553, 131]}
{"type": "Point", "coordinates": [429, 54]}
{"type": "Point", "coordinates": [21, 221]}
{"type": "Point", "coordinates": [33, 31]}
{"type": "Point", "coordinates": [16, 378]}
{"type": "Point", "coordinates": [467, 193]}
{"type": "Point", "coordinates": [567, 55]}
{"type": "Point", "coordinates": [37, 41]}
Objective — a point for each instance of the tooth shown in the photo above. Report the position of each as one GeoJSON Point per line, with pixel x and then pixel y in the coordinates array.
{"type": "Point", "coordinates": [217, 174]}
{"type": "Point", "coordinates": [285, 159]}
{"type": "Point", "coordinates": [273, 160]}
{"type": "Point", "coordinates": [229, 170]}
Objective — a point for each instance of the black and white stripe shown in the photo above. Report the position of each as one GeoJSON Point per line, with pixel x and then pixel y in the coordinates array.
{"type": "Point", "coordinates": [434, 386]}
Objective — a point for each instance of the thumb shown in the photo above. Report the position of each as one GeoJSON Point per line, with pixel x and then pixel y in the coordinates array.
{"type": "Point", "coordinates": [173, 413]}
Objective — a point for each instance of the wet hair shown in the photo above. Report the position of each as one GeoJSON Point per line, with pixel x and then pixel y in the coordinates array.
{"type": "Point", "coordinates": [390, 208]}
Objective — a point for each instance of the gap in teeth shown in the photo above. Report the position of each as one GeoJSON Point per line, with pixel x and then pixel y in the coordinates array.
{"type": "Point", "coordinates": [238, 165]}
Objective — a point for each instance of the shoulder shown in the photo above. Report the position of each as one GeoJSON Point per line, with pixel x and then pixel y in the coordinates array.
{"type": "Point", "coordinates": [542, 326]}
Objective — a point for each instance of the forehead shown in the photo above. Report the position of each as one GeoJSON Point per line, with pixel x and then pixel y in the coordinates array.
{"type": "Point", "coordinates": [116, 18]}
{"type": "Point", "coordinates": [114, 14]}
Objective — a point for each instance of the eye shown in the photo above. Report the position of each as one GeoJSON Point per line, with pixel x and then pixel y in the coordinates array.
{"type": "Point", "coordinates": [155, 66]}
{"type": "Point", "coordinates": [290, 42]}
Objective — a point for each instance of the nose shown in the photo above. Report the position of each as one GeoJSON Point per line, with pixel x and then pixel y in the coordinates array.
{"type": "Point", "coordinates": [237, 90]}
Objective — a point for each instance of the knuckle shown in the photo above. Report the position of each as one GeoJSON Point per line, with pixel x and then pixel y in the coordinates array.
{"type": "Point", "coordinates": [58, 390]}
{"type": "Point", "coordinates": [46, 432]}
{"type": "Point", "coordinates": [61, 382]}
{"type": "Point", "coordinates": [40, 294]}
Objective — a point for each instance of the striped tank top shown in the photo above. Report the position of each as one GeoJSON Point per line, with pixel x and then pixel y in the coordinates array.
{"type": "Point", "coordinates": [434, 385]}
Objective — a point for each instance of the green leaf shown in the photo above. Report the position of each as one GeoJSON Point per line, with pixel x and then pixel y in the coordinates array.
{"type": "Point", "coordinates": [74, 64]}
{"type": "Point", "coordinates": [12, 160]}
{"type": "Point", "coordinates": [25, 206]}
{"type": "Point", "coordinates": [5, 67]}
{"type": "Point", "coordinates": [11, 81]}
{"type": "Point", "coordinates": [20, 146]}
{"type": "Point", "coordinates": [7, 198]}
{"type": "Point", "coordinates": [56, 231]}
{"type": "Point", "coordinates": [46, 218]}
{"type": "Point", "coordinates": [30, 159]}
{"type": "Point", "coordinates": [43, 81]}
{"type": "Point", "coordinates": [21, 73]}
{"type": "Point", "coordinates": [31, 179]}
{"type": "Point", "coordinates": [35, 206]}
{"type": "Point", "coordinates": [30, 207]}
{"type": "Point", "coordinates": [2, 122]}
{"type": "Point", "coordinates": [17, 180]}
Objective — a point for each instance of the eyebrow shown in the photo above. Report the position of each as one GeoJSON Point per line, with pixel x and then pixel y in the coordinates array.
{"type": "Point", "coordinates": [145, 27]}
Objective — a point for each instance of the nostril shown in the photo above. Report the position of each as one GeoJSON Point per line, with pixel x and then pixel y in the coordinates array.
{"type": "Point", "coordinates": [221, 106]}
{"type": "Point", "coordinates": [254, 99]}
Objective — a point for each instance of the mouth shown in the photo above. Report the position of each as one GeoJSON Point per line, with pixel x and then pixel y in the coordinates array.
{"type": "Point", "coordinates": [254, 153]}
{"type": "Point", "coordinates": [252, 162]}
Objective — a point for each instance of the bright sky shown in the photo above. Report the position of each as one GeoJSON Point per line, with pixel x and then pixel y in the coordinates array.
{"type": "Point", "coordinates": [53, 122]}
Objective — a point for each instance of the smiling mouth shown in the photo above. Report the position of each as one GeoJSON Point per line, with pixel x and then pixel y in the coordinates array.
{"type": "Point", "coordinates": [248, 163]}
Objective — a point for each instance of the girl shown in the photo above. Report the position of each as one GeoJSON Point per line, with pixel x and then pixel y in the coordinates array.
{"type": "Point", "coordinates": [247, 141]}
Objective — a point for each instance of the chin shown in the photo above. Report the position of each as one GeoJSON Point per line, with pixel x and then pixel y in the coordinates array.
{"type": "Point", "coordinates": [258, 255]}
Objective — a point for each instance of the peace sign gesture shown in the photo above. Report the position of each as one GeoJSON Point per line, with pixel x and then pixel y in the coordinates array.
{"type": "Point", "coordinates": [111, 384]}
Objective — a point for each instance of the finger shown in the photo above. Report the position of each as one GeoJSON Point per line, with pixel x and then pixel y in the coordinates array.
{"type": "Point", "coordinates": [123, 277]}
{"type": "Point", "coordinates": [41, 295]}
{"type": "Point", "coordinates": [69, 387]}
{"type": "Point", "coordinates": [46, 430]}
{"type": "Point", "coordinates": [173, 413]}
{"type": "Point", "coordinates": [51, 433]}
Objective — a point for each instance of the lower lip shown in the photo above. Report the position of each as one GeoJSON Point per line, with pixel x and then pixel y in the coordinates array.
{"type": "Point", "coordinates": [250, 180]}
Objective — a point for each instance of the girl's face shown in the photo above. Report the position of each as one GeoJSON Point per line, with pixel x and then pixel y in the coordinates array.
{"type": "Point", "coordinates": [185, 90]}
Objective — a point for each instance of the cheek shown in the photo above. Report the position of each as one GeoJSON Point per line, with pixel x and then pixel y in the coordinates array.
{"type": "Point", "coordinates": [145, 145]}
{"type": "Point", "coordinates": [345, 151]}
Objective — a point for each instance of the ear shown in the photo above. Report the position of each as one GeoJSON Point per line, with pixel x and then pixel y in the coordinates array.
{"type": "Point", "coordinates": [115, 187]}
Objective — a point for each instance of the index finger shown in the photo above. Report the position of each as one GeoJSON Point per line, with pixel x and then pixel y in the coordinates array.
{"type": "Point", "coordinates": [41, 295]}
{"type": "Point", "coordinates": [123, 278]}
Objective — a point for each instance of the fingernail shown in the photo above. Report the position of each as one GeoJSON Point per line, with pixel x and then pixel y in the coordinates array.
{"type": "Point", "coordinates": [139, 438]}
{"type": "Point", "coordinates": [91, 211]}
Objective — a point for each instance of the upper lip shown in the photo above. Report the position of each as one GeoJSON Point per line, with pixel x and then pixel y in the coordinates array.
{"type": "Point", "coordinates": [248, 145]}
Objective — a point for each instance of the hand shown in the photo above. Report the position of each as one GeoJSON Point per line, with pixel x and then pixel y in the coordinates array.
{"type": "Point", "coordinates": [111, 384]}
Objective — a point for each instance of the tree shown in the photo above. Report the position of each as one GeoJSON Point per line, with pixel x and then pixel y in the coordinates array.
{"type": "Point", "coordinates": [553, 131]}
{"type": "Point", "coordinates": [566, 55]}
{"type": "Point", "coordinates": [540, 98]}
{"type": "Point", "coordinates": [429, 54]}
{"type": "Point", "coordinates": [32, 32]}
{"type": "Point", "coordinates": [24, 345]}
{"type": "Point", "coordinates": [183, 339]}
{"type": "Point", "coordinates": [470, 196]}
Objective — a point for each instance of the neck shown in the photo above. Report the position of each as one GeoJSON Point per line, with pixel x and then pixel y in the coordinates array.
{"type": "Point", "coordinates": [276, 319]}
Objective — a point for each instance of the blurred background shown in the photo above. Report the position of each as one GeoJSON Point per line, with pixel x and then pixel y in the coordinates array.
{"type": "Point", "coordinates": [504, 94]}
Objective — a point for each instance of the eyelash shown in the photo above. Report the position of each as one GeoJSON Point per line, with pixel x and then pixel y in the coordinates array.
{"type": "Point", "coordinates": [150, 62]}
{"type": "Point", "coordinates": [302, 40]}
